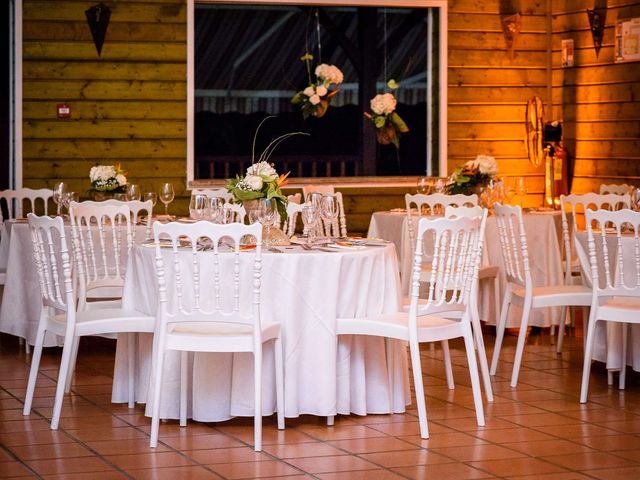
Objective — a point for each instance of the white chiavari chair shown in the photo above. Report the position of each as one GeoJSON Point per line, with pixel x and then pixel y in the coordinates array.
{"type": "Point", "coordinates": [236, 212]}
{"type": "Point", "coordinates": [520, 290]}
{"type": "Point", "coordinates": [293, 210]}
{"type": "Point", "coordinates": [59, 314]}
{"type": "Point", "coordinates": [15, 200]}
{"type": "Point", "coordinates": [219, 315]}
{"type": "Point", "coordinates": [295, 198]}
{"type": "Point", "coordinates": [614, 257]}
{"type": "Point", "coordinates": [572, 209]}
{"type": "Point", "coordinates": [618, 189]}
{"type": "Point", "coordinates": [454, 277]}
{"type": "Point", "coordinates": [141, 214]}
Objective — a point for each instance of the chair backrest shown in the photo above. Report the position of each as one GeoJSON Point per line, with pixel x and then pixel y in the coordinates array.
{"type": "Point", "coordinates": [471, 212]}
{"type": "Point", "coordinates": [295, 198]}
{"type": "Point", "coordinates": [293, 210]}
{"type": "Point", "coordinates": [513, 243]}
{"type": "Point", "coordinates": [454, 263]}
{"type": "Point", "coordinates": [208, 286]}
{"type": "Point", "coordinates": [618, 189]}
{"type": "Point", "coordinates": [307, 190]}
{"type": "Point", "coordinates": [614, 252]}
{"type": "Point", "coordinates": [102, 240]}
{"type": "Point", "coordinates": [237, 212]}
{"type": "Point", "coordinates": [432, 201]}
{"type": "Point", "coordinates": [15, 200]}
{"type": "Point", "coordinates": [53, 262]}
{"type": "Point", "coordinates": [573, 206]}
{"type": "Point", "coordinates": [214, 192]}
{"type": "Point", "coordinates": [137, 208]}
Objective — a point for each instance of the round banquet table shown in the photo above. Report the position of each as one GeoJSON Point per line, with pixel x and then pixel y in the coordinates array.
{"type": "Point", "coordinates": [607, 346]}
{"type": "Point", "coordinates": [305, 291]}
{"type": "Point", "coordinates": [544, 237]}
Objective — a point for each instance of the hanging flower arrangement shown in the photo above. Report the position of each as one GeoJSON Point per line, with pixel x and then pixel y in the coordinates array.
{"type": "Point", "coordinates": [389, 126]}
{"type": "Point", "coordinates": [314, 99]}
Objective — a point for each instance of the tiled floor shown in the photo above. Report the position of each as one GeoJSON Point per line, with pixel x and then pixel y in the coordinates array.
{"type": "Point", "coordinates": [538, 431]}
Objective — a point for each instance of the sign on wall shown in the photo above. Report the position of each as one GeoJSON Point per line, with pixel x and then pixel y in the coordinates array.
{"type": "Point", "coordinates": [628, 40]}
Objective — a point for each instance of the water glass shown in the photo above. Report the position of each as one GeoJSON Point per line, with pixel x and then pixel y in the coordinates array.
{"type": "Point", "coordinates": [310, 220]}
{"type": "Point", "coordinates": [521, 188]}
{"type": "Point", "coordinates": [425, 185]}
{"type": "Point", "coordinates": [153, 196]}
{"type": "Point", "coordinates": [267, 215]}
{"type": "Point", "coordinates": [68, 198]}
{"type": "Point", "coordinates": [329, 210]}
{"type": "Point", "coordinates": [121, 197]}
{"type": "Point", "coordinates": [167, 194]}
{"type": "Point", "coordinates": [134, 192]}
{"type": "Point", "coordinates": [440, 185]}
{"type": "Point", "coordinates": [198, 206]}
{"type": "Point", "coordinates": [59, 190]}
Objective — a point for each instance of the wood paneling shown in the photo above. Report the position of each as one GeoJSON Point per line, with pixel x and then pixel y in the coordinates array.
{"type": "Point", "coordinates": [598, 100]}
{"type": "Point", "coordinates": [128, 105]}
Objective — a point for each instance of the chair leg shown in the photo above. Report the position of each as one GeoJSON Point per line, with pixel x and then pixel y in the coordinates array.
{"type": "Point", "coordinates": [157, 386]}
{"type": "Point", "coordinates": [331, 419]}
{"type": "Point", "coordinates": [277, 345]}
{"type": "Point", "coordinates": [502, 323]}
{"type": "Point", "coordinates": [33, 373]}
{"type": "Point", "coordinates": [27, 347]}
{"type": "Point", "coordinates": [496, 297]}
{"type": "Point", "coordinates": [522, 336]}
{"type": "Point", "coordinates": [257, 402]}
{"type": "Point", "coordinates": [609, 377]}
{"type": "Point", "coordinates": [414, 347]}
{"type": "Point", "coordinates": [623, 364]}
{"type": "Point", "coordinates": [184, 379]}
{"type": "Point", "coordinates": [447, 364]}
{"type": "Point", "coordinates": [131, 360]}
{"type": "Point", "coordinates": [552, 335]}
{"type": "Point", "coordinates": [72, 366]}
{"type": "Point", "coordinates": [482, 354]}
{"type": "Point", "coordinates": [475, 378]}
{"type": "Point", "coordinates": [561, 329]}
{"type": "Point", "coordinates": [588, 353]}
{"type": "Point", "coordinates": [67, 352]}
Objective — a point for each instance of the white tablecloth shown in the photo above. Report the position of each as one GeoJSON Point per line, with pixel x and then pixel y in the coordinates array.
{"type": "Point", "coordinates": [544, 235]}
{"type": "Point", "coordinates": [607, 345]}
{"type": "Point", "coordinates": [306, 292]}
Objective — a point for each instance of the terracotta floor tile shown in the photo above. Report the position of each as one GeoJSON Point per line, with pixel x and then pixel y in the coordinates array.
{"type": "Point", "coordinates": [149, 460]}
{"type": "Point", "coordinates": [227, 455]}
{"type": "Point", "coordinates": [68, 465]}
{"type": "Point", "coordinates": [543, 448]}
{"type": "Point", "coordinates": [54, 450]}
{"type": "Point", "coordinates": [510, 435]}
{"type": "Point", "coordinates": [341, 463]}
{"type": "Point", "coordinates": [541, 419]}
{"type": "Point", "coordinates": [454, 439]}
{"type": "Point", "coordinates": [610, 442]}
{"type": "Point", "coordinates": [369, 445]}
{"type": "Point", "coordinates": [449, 471]}
{"type": "Point", "coordinates": [265, 469]}
{"type": "Point", "coordinates": [307, 449]}
{"type": "Point", "coordinates": [342, 433]}
{"type": "Point", "coordinates": [94, 435]}
{"type": "Point", "coordinates": [34, 438]}
{"type": "Point", "coordinates": [124, 447]}
{"type": "Point", "coordinates": [405, 458]}
{"type": "Point", "coordinates": [107, 475]}
{"type": "Point", "coordinates": [477, 453]}
{"type": "Point", "coordinates": [552, 476]}
{"type": "Point", "coordinates": [632, 455]}
{"type": "Point", "coordinates": [576, 431]}
{"type": "Point", "coordinates": [624, 473]}
{"type": "Point", "coordinates": [361, 475]}
{"type": "Point", "coordinates": [517, 466]}
{"type": "Point", "coordinates": [199, 442]}
{"type": "Point", "coordinates": [587, 460]}
{"type": "Point", "coordinates": [13, 469]}
{"type": "Point", "coordinates": [174, 473]}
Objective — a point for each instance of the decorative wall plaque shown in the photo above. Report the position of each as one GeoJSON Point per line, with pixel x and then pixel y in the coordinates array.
{"type": "Point", "coordinates": [511, 30]}
{"type": "Point", "coordinates": [98, 19]}
{"type": "Point", "coordinates": [597, 17]}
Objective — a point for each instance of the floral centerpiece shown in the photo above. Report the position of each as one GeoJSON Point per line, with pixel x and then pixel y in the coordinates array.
{"type": "Point", "coordinates": [389, 126]}
{"type": "Point", "coordinates": [261, 179]}
{"type": "Point", "coordinates": [473, 174]}
{"type": "Point", "coordinates": [314, 99]}
{"type": "Point", "coordinates": [107, 179]}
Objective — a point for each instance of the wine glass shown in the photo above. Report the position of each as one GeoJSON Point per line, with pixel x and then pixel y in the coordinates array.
{"type": "Point", "coordinates": [59, 190]}
{"type": "Point", "coordinates": [521, 188]}
{"type": "Point", "coordinates": [440, 185]}
{"type": "Point", "coordinates": [134, 192]}
{"type": "Point", "coordinates": [198, 206]}
{"type": "Point", "coordinates": [68, 198]}
{"type": "Point", "coordinates": [167, 194]}
{"type": "Point", "coordinates": [310, 221]}
{"type": "Point", "coordinates": [153, 196]}
{"type": "Point", "coordinates": [425, 185]}
{"type": "Point", "coordinates": [329, 210]}
{"type": "Point", "coordinates": [635, 199]}
{"type": "Point", "coordinates": [215, 205]}
{"type": "Point", "coordinates": [267, 215]}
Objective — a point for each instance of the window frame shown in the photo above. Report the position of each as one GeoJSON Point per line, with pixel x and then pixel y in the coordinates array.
{"type": "Point", "coordinates": [361, 181]}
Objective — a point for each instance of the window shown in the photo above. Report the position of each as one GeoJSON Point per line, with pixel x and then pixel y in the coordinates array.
{"type": "Point", "coordinates": [244, 64]}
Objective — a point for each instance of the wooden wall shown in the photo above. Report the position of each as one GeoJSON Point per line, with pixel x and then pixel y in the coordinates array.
{"type": "Point", "coordinates": [598, 99]}
{"type": "Point", "coordinates": [127, 105]}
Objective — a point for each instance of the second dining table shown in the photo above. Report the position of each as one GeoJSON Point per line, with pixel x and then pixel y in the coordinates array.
{"type": "Point", "coordinates": [306, 291]}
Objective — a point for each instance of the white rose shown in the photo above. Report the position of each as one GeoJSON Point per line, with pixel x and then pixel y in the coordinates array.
{"type": "Point", "coordinates": [309, 91]}
{"type": "Point", "coordinates": [329, 74]}
{"type": "Point", "coordinates": [321, 90]}
{"type": "Point", "coordinates": [383, 104]}
{"type": "Point", "coordinates": [121, 179]}
{"type": "Point", "coordinates": [263, 169]}
{"type": "Point", "coordinates": [486, 164]}
{"type": "Point", "coordinates": [254, 182]}
{"type": "Point", "coordinates": [314, 99]}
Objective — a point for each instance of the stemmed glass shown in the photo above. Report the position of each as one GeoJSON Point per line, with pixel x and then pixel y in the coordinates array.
{"type": "Point", "coordinates": [59, 190]}
{"type": "Point", "coordinates": [316, 201]}
{"type": "Point", "coordinates": [134, 192]}
{"type": "Point", "coordinates": [167, 194]}
{"type": "Point", "coordinates": [68, 198]}
{"type": "Point", "coordinates": [267, 216]}
{"type": "Point", "coordinates": [215, 209]}
{"type": "Point", "coordinates": [521, 188]}
{"type": "Point", "coordinates": [425, 185]}
{"type": "Point", "coordinates": [329, 209]}
{"type": "Point", "coordinates": [198, 206]}
{"type": "Point", "coordinates": [310, 220]}
{"type": "Point", "coordinates": [153, 196]}
{"type": "Point", "coordinates": [440, 185]}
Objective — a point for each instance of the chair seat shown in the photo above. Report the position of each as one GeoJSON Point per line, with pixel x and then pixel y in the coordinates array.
{"type": "Point", "coordinates": [488, 271]}
{"type": "Point", "coordinates": [620, 309]}
{"type": "Point", "coordinates": [446, 311]}
{"type": "Point", "coordinates": [223, 329]}
{"type": "Point", "coordinates": [396, 325]}
{"type": "Point", "coordinates": [555, 296]}
{"type": "Point", "coordinates": [106, 320]}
